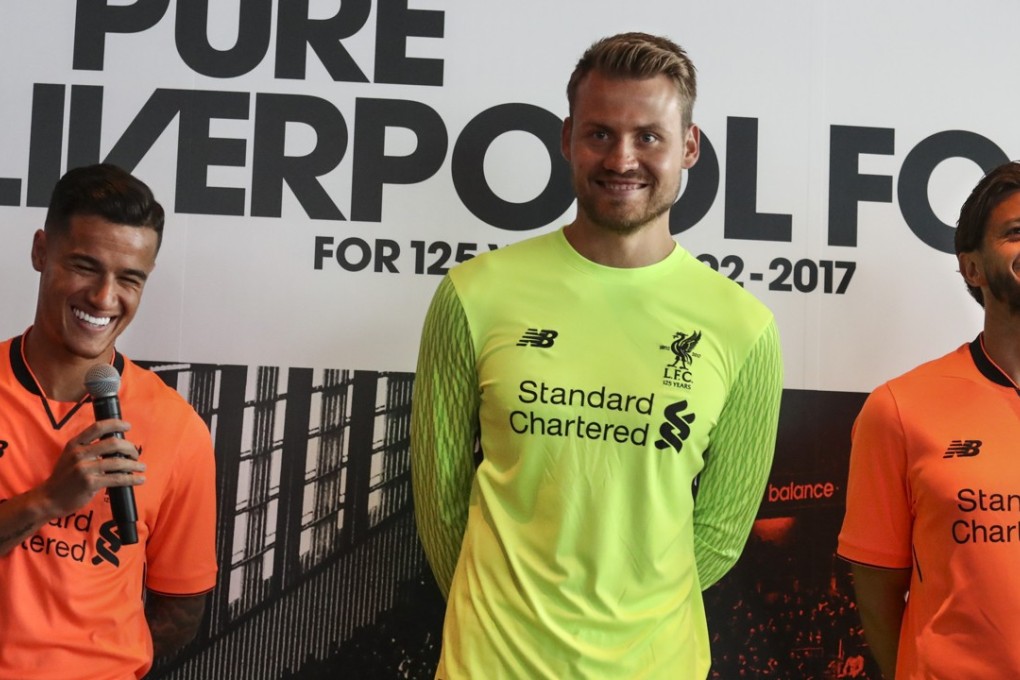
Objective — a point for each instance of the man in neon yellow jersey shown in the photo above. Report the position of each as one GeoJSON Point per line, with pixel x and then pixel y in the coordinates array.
{"type": "Point", "coordinates": [602, 369]}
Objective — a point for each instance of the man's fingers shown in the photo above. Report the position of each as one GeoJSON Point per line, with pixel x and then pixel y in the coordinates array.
{"type": "Point", "coordinates": [121, 479]}
{"type": "Point", "coordinates": [112, 447]}
{"type": "Point", "coordinates": [100, 429]}
{"type": "Point", "coordinates": [112, 464]}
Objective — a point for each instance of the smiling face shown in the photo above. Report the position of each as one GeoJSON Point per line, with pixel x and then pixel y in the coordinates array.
{"type": "Point", "coordinates": [627, 145]}
{"type": "Point", "coordinates": [92, 277]}
{"type": "Point", "coordinates": [995, 266]}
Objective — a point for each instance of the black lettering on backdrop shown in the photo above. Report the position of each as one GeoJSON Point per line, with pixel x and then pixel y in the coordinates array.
{"type": "Point", "coordinates": [45, 143]}
{"type": "Point", "coordinates": [197, 149]}
{"type": "Point", "coordinates": [742, 219]}
{"type": "Point", "coordinates": [10, 191]}
{"type": "Point", "coordinates": [396, 23]}
{"type": "Point", "coordinates": [84, 129]}
{"type": "Point", "coordinates": [95, 18]}
{"type": "Point", "coordinates": [80, 117]}
{"type": "Point", "coordinates": [467, 166]}
{"type": "Point", "coordinates": [191, 31]}
{"type": "Point", "coordinates": [373, 168]}
{"type": "Point", "coordinates": [354, 254]}
{"type": "Point", "coordinates": [362, 254]}
{"type": "Point", "coordinates": [918, 166]}
{"type": "Point", "coordinates": [156, 115]}
{"type": "Point", "coordinates": [272, 168]}
{"type": "Point", "coordinates": [296, 32]}
{"type": "Point", "coordinates": [847, 186]}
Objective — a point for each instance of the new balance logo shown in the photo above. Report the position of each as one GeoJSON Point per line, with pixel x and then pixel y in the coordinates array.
{"type": "Point", "coordinates": [534, 337]}
{"type": "Point", "coordinates": [963, 448]}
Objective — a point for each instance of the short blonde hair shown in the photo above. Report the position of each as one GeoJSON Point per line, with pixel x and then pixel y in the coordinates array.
{"type": "Point", "coordinates": [639, 56]}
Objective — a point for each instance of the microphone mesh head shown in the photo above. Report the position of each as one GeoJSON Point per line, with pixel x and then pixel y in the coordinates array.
{"type": "Point", "coordinates": [102, 381]}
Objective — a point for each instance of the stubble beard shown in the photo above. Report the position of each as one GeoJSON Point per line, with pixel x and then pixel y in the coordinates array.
{"type": "Point", "coordinates": [627, 222]}
{"type": "Point", "coordinates": [1005, 288]}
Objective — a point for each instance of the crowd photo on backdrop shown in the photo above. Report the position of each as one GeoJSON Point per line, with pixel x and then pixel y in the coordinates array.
{"type": "Point", "coordinates": [107, 522]}
{"type": "Point", "coordinates": [595, 410]}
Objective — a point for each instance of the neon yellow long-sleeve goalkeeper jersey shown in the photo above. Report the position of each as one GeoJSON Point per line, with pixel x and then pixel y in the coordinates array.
{"type": "Point", "coordinates": [579, 546]}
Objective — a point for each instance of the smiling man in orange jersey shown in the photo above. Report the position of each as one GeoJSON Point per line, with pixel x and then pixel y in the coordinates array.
{"type": "Point", "coordinates": [933, 499]}
{"type": "Point", "coordinates": [71, 590]}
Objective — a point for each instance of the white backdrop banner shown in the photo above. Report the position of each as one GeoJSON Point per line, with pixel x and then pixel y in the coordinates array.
{"type": "Point", "coordinates": [324, 162]}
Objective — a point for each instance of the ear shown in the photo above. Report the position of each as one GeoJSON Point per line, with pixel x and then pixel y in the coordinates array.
{"type": "Point", "coordinates": [972, 269]}
{"type": "Point", "coordinates": [568, 127]}
{"type": "Point", "coordinates": [39, 250]}
{"type": "Point", "coordinates": [692, 145]}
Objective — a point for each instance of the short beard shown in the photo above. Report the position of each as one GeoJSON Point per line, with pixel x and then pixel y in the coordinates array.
{"type": "Point", "coordinates": [621, 227]}
{"type": "Point", "coordinates": [1004, 288]}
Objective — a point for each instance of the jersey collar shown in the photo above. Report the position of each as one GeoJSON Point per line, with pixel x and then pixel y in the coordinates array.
{"type": "Point", "coordinates": [24, 376]}
{"type": "Point", "coordinates": [987, 367]}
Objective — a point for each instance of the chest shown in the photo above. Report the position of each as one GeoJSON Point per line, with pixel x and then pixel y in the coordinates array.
{"type": "Point", "coordinates": [646, 381]}
{"type": "Point", "coordinates": [964, 460]}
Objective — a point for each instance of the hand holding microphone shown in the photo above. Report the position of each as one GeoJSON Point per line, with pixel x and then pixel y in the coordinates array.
{"type": "Point", "coordinates": [103, 382]}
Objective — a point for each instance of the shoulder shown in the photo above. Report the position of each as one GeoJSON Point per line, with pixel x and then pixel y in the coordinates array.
{"type": "Point", "coordinates": [920, 389]}
{"type": "Point", "coordinates": [527, 254]}
{"type": "Point", "coordinates": [141, 385]}
{"type": "Point", "coordinates": [724, 305]}
{"type": "Point", "coordinates": [715, 287]}
{"type": "Point", "coordinates": [949, 367]}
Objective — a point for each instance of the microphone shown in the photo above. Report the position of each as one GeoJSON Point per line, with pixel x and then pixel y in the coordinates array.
{"type": "Point", "coordinates": [102, 382]}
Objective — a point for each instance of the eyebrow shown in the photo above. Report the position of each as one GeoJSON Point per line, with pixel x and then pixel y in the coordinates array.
{"type": "Point", "coordinates": [1011, 223]}
{"type": "Point", "coordinates": [645, 127]}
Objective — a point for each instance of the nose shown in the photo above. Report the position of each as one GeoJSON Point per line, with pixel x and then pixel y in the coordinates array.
{"type": "Point", "coordinates": [103, 293]}
{"type": "Point", "coordinates": [621, 157]}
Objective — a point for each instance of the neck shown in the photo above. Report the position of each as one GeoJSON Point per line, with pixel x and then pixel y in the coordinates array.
{"type": "Point", "coordinates": [645, 246]}
{"type": "Point", "coordinates": [60, 376]}
{"type": "Point", "coordinates": [1002, 341]}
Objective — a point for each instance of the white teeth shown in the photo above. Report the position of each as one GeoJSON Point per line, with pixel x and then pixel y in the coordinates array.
{"type": "Point", "coordinates": [88, 318]}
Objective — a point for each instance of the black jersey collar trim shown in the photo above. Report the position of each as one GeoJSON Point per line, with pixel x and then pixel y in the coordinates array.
{"type": "Point", "coordinates": [987, 367]}
{"type": "Point", "coordinates": [23, 374]}
{"type": "Point", "coordinates": [20, 368]}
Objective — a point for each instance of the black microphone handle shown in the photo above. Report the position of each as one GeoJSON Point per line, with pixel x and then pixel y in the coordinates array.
{"type": "Point", "coordinates": [122, 498]}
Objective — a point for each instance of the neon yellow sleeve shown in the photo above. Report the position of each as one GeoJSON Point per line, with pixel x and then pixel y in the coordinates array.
{"type": "Point", "coordinates": [732, 484]}
{"type": "Point", "coordinates": [444, 431]}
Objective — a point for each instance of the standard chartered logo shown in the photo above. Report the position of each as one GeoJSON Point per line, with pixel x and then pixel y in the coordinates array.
{"type": "Point", "coordinates": [677, 428]}
{"type": "Point", "coordinates": [108, 544]}
{"type": "Point", "coordinates": [609, 429]}
{"type": "Point", "coordinates": [617, 425]}
{"type": "Point", "coordinates": [77, 524]}
{"type": "Point", "coordinates": [986, 517]}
